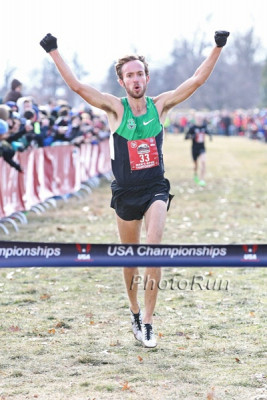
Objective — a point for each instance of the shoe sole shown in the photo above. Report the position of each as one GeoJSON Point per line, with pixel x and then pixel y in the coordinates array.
{"type": "Point", "coordinates": [149, 347]}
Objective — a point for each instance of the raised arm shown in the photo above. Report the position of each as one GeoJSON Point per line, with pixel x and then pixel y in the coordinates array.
{"type": "Point", "coordinates": [165, 101]}
{"type": "Point", "coordinates": [106, 102]}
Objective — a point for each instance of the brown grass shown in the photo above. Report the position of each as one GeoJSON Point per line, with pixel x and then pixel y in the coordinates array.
{"type": "Point", "coordinates": [65, 333]}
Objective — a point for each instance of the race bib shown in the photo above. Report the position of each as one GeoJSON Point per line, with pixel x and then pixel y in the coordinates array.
{"type": "Point", "coordinates": [200, 137]}
{"type": "Point", "coordinates": [143, 153]}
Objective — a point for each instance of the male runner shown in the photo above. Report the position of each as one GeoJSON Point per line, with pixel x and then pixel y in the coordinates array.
{"type": "Point", "coordinates": [140, 189]}
{"type": "Point", "coordinates": [197, 133]}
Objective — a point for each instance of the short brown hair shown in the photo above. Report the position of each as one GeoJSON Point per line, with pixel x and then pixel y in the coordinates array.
{"type": "Point", "coordinates": [120, 63]}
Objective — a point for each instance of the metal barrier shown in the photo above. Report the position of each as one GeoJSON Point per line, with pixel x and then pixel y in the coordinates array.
{"type": "Point", "coordinates": [50, 174]}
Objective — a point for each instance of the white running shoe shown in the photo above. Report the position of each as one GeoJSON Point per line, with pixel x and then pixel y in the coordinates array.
{"type": "Point", "coordinates": [136, 320]}
{"type": "Point", "coordinates": [149, 339]}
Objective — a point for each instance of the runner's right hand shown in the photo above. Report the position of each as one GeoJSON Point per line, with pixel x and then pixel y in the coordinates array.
{"type": "Point", "coordinates": [49, 43]}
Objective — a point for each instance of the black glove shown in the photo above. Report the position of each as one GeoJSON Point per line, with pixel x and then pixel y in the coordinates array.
{"type": "Point", "coordinates": [221, 38]}
{"type": "Point", "coordinates": [19, 169]}
{"type": "Point", "coordinates": [49, 43]}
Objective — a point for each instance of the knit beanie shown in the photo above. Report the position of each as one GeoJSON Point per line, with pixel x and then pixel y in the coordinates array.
{"type": "Point", "coordinates": [3, 127]}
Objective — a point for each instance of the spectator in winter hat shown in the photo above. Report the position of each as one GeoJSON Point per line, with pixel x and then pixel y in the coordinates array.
{"type": "Point", "coordinates": [12, 105]}
{"type": "Point", "coordinates": [15, 93]}
{"type": "Point", "coordinates": [24, 104]}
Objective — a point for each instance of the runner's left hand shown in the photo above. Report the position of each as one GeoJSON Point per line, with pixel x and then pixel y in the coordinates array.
{"type": "Point", "coordinates": [221, 38]}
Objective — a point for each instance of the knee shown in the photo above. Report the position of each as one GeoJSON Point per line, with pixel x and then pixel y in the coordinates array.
{"type": "Point", "coordinates": [153, 273]}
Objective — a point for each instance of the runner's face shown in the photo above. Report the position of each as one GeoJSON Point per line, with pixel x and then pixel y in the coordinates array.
{"type": "Point", "coordinates": [134, 79]}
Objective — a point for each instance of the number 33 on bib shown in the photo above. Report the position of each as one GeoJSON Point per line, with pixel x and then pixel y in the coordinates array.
{"type": "Point", "coordinates": [143, 153]}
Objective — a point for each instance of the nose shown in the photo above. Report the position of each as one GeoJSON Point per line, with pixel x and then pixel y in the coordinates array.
{"type": "Point", "coordinates": [136, 78]}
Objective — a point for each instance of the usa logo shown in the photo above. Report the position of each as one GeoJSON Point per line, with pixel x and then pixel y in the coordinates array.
{"type": "Point", "coordinates": [83, 252]}
{"type": "Point", "coordinates": [250, 252]}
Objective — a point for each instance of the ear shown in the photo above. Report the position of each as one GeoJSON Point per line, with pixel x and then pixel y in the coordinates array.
{"type": "Point", "coordinates": [147, 78]}
{"type": "Point", "coordinates": [121, 82]}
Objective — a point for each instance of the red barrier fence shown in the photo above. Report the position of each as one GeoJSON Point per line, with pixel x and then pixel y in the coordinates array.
{"type": "Point", "coordinates": [50, 171]}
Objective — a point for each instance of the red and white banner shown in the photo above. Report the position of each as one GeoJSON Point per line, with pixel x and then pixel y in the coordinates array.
{"type": "Point", "coordinates": [10, 194]}
{"type": "Point", "coordinates": [49, 171]}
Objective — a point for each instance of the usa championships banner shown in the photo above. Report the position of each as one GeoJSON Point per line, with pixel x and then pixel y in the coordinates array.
{"type": "Point", "coordinates": [35, 254]}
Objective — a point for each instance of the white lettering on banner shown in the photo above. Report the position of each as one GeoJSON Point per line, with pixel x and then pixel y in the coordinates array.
{"type": "Point", "coordinates": [39, 251]}
{"type": "Point", "coordinates": [144, 251]}
{"type": "Point", "coordinates": [182, 251]}
{"type": "Point", "coordinates": [250, 256]}
{"type": "Point", "coordinates": [120, 251]}
{"type": "Point", "coordinates": [83, 257]}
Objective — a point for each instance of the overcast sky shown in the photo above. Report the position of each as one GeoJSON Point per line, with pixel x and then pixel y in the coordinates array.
{"type": "Point", "coordinates": [100, 31]}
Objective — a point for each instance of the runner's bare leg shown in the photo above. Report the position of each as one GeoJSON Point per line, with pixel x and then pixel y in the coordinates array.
{"type": "Point", "coordinates": [202, 162]}
{"type": "Point", "coordinates": [195, 168]}
{"type": "Point", "coordinates": [130, 232]}
{"type": "Point", "coordinates": [155, 219]}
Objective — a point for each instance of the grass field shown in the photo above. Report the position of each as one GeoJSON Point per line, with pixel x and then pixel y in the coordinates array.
{"type": "Point", "coordinates": [65, 333]}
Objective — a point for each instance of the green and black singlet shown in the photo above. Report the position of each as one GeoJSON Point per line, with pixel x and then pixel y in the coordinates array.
{"type": "Point", "coordinates": [136, 147]}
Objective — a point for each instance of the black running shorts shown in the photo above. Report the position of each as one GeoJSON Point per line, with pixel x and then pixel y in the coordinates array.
{"type": "Point", "coordinates": [131, 203]}
{"type": "Point", "coordinates": [197, 150]}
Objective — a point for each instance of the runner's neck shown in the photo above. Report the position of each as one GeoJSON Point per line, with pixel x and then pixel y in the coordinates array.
{"type": "Point", "coordinates": [138, 106]}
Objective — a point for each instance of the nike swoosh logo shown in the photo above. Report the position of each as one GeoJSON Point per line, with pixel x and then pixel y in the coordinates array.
{"type": "Point", "coordinates": [158, 194]}
{"type": "Point", "coordinates": [148, 122]}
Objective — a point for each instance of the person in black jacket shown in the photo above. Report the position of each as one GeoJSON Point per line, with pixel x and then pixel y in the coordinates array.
{"type": "Point", "coordinates": [6, 150]}
{"type": "Point", "coordinates": [15, 93]}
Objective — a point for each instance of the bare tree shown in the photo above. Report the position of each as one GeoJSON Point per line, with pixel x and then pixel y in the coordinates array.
{"type": "Point", "coordinates": [264, 85]}
{"type": "Point", "coordinates": [8, 76]}
{"type": "Point", "coordinates": [238, 81]}
{"type": "Point", "coordinates": [243, 84]}
{"type": "Point", "coordinates": [111, 84]}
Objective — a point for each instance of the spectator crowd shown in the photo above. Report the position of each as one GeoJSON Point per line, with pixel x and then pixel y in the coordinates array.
{"type": "Point", "coordinates": [249, 123]}
{"type": "Point", "coordinates": [25, 124]}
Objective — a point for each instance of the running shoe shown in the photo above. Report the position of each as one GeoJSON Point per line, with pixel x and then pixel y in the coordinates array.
{"type": "Point", "coordinates": [149, 339]}
{"type": "Point", "coordinates": [136, 320]}
{"type": "Point", "coordinates": [202, 183]}
{"type": "Point", "coordinates": [196, 179]}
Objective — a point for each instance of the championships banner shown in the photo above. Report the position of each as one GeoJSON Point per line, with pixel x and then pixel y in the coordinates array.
{"type": "Point", "coordinates": [35, 254]}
